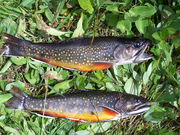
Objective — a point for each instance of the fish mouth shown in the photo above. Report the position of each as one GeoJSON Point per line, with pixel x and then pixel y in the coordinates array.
{"type": "Point", "coordinates": [140, 109]}
{"type": "Point", "coordinates": [140, 56]}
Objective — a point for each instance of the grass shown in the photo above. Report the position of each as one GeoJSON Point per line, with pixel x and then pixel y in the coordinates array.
{"type": "Point", "coordinates": [47, 21]}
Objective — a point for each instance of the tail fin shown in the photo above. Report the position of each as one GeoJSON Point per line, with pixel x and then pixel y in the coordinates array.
{"type": "Point", "coordinates": [12, 45]}
{"type": "Point", "coordinates": [16, 102]}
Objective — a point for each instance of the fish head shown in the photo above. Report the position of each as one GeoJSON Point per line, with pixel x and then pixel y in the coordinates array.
{"type": "Point", "coordinates": [131, 105]}
{"type": "Point", "coordinates": [132, 52]}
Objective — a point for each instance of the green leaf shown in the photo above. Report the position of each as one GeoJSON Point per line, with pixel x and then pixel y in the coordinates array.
{"type": "Point", "coordinates": [147, 74]}
{"type": "Point", "coordinates": [8, 25]}
{"type": "Point", "coordinates": [86, 5]}
{"type": "Point", "coordinates": [5, 97]}
{"type": "Point", "coordinates": [99, 74]}
{"type": "Point", "coordinates": [164, 34]}
{"type": "Point", "coordinates": [33, 77]}
{"type": "Point", "coordinates": [167, 96]}
{"type": "Point", "coordinates": [83, 132]}
{"type": "Point", "coordinates": [112, 8]}
{"type": "Point", "coordinates": [21, 26]}
{"type": "Point", "coordinates": [124, 26]}
{"type": "Point", "coordinates": [89, 86]}
{"type": "Point", "coordinates": [156, 36]}
{"type": "Point", "coordinates": [63, 85]}
{"type": "Point", "coordinates": [49, 14]}
{"type": "Point", "coordinates": [110, 86]}
{"type": "Point", "coordinates": [155, 114]}
{"type": "Point", "coordinates": [3, 84]}
{"type": "Point", "coordinates": [127, 2]}
{"type": "Point", "coordinates": [143, 11]}
{"type": "Point", "coordinates": [49, 30]}
{"type": "Point", "coordinates": [9, 129]}
{"type": "Point", "coordinates": [128, 86]}
{"type": "Point", "coordinates": [19, 60]}
{"type": "Point", "coordinates": [112, 19]}
{"type": "Point", "coordinates": [132, 87]}
{"type": "Point", "coordinates": [6, 67]}
{"type": "Point", "coordinates": [95, 128]}
{"type": "Point", "coordinates": [80, 81]}
{"type": "Point", "coordinates": [140, 12]}
{"type": "Point", "coordinates": [141, 25]}
{"type": "Point", "coordinates": [79, 31]}
{"type": "Point", "coordinates": [27, 3]}
{"type": "Point", "coordinates": [55, 32]}
{"type": "Point", "coordinates": [172, 22]}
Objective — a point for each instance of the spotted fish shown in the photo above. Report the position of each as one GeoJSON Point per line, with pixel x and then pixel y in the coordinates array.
{"type": "Point", "coordinates": [83, 54]}
{"type": "Point", "coordinates": [83, 105]}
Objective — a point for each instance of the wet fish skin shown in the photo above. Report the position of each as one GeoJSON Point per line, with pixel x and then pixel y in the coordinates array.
{"type": "Point", "coordinates": [84, 105]}
{"type": "Point", "coordinates": [84, 54]}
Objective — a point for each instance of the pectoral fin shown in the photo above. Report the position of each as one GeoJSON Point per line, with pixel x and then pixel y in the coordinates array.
{"type": "Point", "coordinates": [109, 111]}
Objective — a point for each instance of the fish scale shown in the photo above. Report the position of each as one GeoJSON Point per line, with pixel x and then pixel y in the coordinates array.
{"type": "Point", "coordinates": [84, 54]}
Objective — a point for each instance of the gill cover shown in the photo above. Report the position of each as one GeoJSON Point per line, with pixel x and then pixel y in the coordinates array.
{"type": "Point", "coordinates": [131, 105]}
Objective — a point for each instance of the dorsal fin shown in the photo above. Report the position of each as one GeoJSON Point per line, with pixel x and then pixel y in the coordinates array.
{"type": "Point", "coordinates": [71, 40]}
{"type": "Point", "coordinates": [78, 91]}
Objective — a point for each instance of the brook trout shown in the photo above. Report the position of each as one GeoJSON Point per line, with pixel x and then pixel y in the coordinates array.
{"type": "Point", "coordinates": [83, 54]}
{"type": "Point", "coordinates": [84, 105]}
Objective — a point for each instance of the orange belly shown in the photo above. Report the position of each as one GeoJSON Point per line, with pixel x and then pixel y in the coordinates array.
{"type": "Point", "coordinates": [94, 117]}
{"type": "Point", "coordinates": [80, 67]}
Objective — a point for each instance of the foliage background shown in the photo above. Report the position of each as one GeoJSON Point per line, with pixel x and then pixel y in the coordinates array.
{"type": "Point", "coordinates": [48, 20]}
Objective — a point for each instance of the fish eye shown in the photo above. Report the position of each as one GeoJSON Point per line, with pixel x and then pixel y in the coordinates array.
{"type": "Point", "coordinates": [137, 100]}
{"type": "Point", "coordinates": [137, 44]}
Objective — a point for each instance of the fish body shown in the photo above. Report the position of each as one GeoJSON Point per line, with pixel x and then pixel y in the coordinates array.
{"type": "Point", "coordinates": [83, 54]}
{"type": "Point", "coordinates": [84, 105]}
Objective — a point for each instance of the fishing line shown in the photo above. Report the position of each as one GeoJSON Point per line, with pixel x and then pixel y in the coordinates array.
{"type": "Point", "coordinates": [45, 99]}
{"type": "Point", "coordinates": [56, 92]}
{"type": "Point", "coordinates": [95, 113]}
